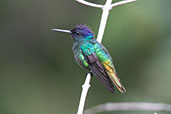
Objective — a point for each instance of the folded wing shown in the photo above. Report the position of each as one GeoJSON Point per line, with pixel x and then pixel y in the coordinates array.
{"type": "Point", "coordinates": [106, 61]}
{"type": "Point", "coordinates": [98, 70]}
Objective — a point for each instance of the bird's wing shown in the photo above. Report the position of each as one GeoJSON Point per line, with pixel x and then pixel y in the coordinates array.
{"type": "Point", "coordinates": [79, 58]}
{"type": "Point", "coordinates": [98, 70]}
{"type": "Point", "coordinates": [106, 61]}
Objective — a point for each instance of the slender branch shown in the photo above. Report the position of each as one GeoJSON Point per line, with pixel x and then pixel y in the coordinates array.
{"type": "Point", "coordinates": [106, 8]}
{"type": "Point", "coordinates": [85, 88]}
{"type": "Point", "coordinates": [122, 2]}
{"type": "Point", "coordinates": [89, 4]}
{"type": "Point", "coordinates": [128, 106]}
{"type": "Point", "coordinates": [104, 17]}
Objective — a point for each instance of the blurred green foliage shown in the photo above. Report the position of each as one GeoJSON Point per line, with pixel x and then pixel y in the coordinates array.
{"type": "Point", "coordinates": [37, 70]}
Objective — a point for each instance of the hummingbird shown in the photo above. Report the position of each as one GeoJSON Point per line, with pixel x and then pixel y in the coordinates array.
{"type": "Point", "coordinates": [93, 56]}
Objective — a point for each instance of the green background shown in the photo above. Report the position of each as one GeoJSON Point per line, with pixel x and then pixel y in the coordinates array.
{"type": "Point", "coordinates": [38, 74]}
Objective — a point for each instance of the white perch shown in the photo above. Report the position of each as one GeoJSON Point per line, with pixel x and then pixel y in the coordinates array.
{"type": "Point", "coordinates": [129, 106]}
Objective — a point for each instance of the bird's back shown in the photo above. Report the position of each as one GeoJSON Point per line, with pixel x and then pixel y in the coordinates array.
{"type": "Point", "coordinates": [93, 56]}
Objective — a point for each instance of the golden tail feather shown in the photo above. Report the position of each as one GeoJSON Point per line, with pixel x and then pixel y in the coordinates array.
{"type": "Point", "coordinates": [115, 79]}
{"type": "Point", "coordinates": [110, 70]}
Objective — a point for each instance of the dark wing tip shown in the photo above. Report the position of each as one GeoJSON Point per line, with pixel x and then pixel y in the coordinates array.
{"type": "Point", "coordinates": [111, 90]}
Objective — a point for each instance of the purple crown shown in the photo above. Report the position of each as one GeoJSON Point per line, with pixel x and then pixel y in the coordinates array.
{"type": "Point", "coordinates": [83, 29]}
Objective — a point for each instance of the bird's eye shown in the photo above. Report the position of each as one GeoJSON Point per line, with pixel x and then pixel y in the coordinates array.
{"type": "Point", "coordinates": [77, 33]}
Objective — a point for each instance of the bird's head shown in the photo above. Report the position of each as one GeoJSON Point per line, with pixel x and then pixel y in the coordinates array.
{"type": "Point", "coordinates": [79, 32]}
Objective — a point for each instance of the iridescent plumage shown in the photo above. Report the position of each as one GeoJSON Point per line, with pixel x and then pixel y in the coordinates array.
{"type": "Point", "coordinates": [92, 55]}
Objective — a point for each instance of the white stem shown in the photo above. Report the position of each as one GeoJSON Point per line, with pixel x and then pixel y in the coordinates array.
{"type": "Point", "coordinates": [106, 8]}
{"type": "Point", "coordinates": [85, 88]}
{"type": "Point", "coordinates": [89, 4]}
{"type": "Point", "coordinates": [122, 2]}
{"type": "Point", "coordinates": [128, 106]}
